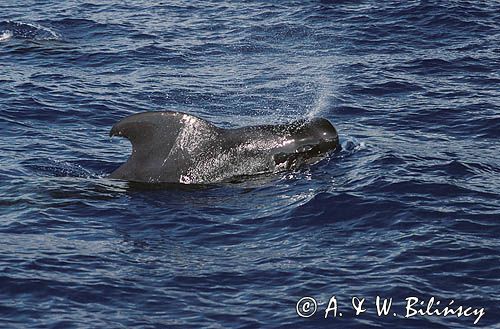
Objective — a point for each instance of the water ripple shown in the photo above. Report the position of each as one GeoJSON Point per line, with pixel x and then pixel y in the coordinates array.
{"type": "Point", "coordinates": [408, 207]}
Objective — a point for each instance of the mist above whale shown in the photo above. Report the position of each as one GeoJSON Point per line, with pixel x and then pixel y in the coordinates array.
{"type": "Point", "coordinates": [175, 147]}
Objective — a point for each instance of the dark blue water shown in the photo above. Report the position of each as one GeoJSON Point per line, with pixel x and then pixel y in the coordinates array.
{"type": "Point", "coordinates": [409, 208]}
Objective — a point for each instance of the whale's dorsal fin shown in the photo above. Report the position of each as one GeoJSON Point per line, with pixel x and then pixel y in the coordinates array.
{"type": "Point", "coordinates": [158, 139]}
{"type": "Point", "coordinates": [142, 128]}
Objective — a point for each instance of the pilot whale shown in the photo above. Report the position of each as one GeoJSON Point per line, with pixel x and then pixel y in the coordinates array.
{"type": "Point", "coordinates": [175, 147]}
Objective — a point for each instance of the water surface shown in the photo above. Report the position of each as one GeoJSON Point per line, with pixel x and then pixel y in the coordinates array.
{"type": "Point", "coordinates": [410, 207]}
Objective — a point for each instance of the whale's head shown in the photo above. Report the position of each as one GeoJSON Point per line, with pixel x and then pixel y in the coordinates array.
{"type": "Point", "coordinates": [317, 132]}
{"type": "Point", "coordinates": [308, 140]}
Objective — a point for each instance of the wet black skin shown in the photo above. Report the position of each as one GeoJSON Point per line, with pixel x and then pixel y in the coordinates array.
{"type": "Point", "coordinates": [157, 158]}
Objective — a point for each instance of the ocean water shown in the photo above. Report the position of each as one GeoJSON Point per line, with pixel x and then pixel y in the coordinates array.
{"type": "Point", "coordinates": [409, 208]}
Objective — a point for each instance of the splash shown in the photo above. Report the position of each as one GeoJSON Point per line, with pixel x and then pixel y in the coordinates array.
{"type": "Point", "coordinates": [5, 36]}
{"type": "Point", "coordinates": [322, 99]}
{"type": "Point", "coordinates": [351, 145]}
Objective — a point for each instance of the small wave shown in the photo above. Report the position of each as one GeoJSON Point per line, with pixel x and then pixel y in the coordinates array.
{"type": "Point", "coordinates": [387, 88]}
{"type": "Point", "coordinates": [30, 31]}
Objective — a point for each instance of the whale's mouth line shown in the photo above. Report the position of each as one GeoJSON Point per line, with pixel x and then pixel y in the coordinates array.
{"type": "Point", "coordinates": [306, 154]}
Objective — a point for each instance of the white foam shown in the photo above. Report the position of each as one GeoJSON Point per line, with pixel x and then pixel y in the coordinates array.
{"type": "Point", "coordinates": [32, 31]}
{"type": "Point", "coordinates": [44, 33]}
